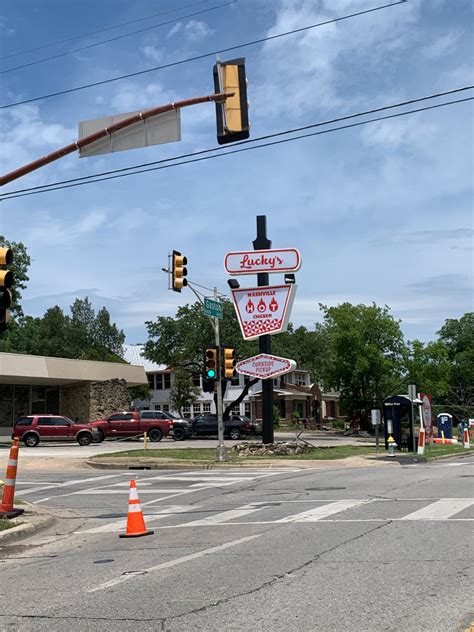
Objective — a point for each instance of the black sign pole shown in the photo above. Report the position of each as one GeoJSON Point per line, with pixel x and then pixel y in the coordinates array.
{"type": "Point", "coordinates": [265, 345]}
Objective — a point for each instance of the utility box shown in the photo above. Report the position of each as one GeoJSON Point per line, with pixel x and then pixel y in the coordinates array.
{"type": "Point", "coordinates": [445, 425]}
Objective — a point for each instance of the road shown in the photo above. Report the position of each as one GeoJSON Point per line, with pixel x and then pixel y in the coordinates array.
{"type": "Point", "coordinates": [362, 549]}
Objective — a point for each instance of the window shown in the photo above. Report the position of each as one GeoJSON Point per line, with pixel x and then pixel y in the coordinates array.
{"type": "Point", "coordinates": [163, 381]}
{"type": "Point", "coordinates": [196, 380]}
{"type": "Point", "coordinates": [299, 379]}
{"type": "Point", "coordinates": [236, 410]}
{"type": "Point", "coordinates": [247, 408]}
{"type": "Point", "coordinates": [45, 421]}
{"type": "Point", "coordinates": [157, 406]}
{"type": "Point", "coordinates": [235, 380]}
{"type": "Point", "coordinates": [151, 380]}
{"type": "Point", "coordinates": [24, 421]}
{"type": "Point", "coordinates": [61, 421]}
{"type": "Point", "coordinates": [196, 409]}
{"type": "Point", "coordinates": [121, 417]}
{"type": "Point", "coordinates": [206, 407]}
{"type": "Point", "coordinates": [166, 408]}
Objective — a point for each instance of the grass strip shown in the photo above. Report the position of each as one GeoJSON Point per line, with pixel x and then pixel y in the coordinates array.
{"type": "Point", "coordinates": [209, 454]}
{"type": "Point", "coordinates": [7, 524]}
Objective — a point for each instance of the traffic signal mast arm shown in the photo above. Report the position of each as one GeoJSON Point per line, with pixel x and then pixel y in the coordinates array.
{"type": "Point", "coordinates": [107, 131]}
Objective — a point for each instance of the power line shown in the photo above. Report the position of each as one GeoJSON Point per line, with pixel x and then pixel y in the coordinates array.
{"type": "Point", "coordinates": [203, 55]}
{"type": "Point", "coordinates": [114, 39]}
{"type": "Point", "coordinates": [108, 28]}
{"type": "Point", "coordinates": [53, 187]}
{"type": "Point", "coordinates": [258, 139]}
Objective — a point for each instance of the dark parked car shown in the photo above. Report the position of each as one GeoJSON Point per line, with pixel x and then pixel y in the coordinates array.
{"type": "Point", "coordinates": [206, 426]}
{"type": "Point", "coordinates": [32, 429]}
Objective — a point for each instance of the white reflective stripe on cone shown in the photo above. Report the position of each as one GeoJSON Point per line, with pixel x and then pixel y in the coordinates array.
{"type": "Point", "coordinates": [133, 493]}
{"type": "Point", "coordinates": [10, 482]}
{"type": "Point", "coordinates": [134, 508]}
{"type": "Point", "coordinates": [12, 462]}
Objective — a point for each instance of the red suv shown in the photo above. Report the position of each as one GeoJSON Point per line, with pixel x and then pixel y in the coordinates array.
{"type": "Point", "coordinates": [32, 429]}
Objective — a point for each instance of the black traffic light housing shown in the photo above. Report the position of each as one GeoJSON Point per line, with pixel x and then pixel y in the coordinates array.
{"type": "Point", "coordinates": [6, 282]}
{"type": "Point", "coordinates": [232, 115]}
{"type": "Point", "coordinates": [228, 363]}
{"type": "Point", "coordinates": [211, 364]}
{"type": "Point", "coordinates": [178, 271]}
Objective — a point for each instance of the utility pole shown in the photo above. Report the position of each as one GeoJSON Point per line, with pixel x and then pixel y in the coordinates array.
{"type": "Point", "coordinates": [265, 345]}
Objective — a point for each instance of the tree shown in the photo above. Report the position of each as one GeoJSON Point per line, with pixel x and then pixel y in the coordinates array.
{"type": "Point", "coordinates": [458, 336]}
{"type": "Point", "coordinates": [183, 392]}
{"type": "Point", "coordinates": [428, 367]}
{"type": "Point", "coordinates": [363, 357]}
{"type": "Point", "coordinates": [180, 342]}
{"type": "Point", "coordinates": [19, 268]}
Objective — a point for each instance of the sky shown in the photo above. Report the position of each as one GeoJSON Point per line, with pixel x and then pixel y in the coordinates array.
{"type": "Point", "coordinates": [382, 212]}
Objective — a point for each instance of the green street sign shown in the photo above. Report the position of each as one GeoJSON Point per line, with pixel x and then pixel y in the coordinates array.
{"type": "Point", "coordinates": [213, 308]}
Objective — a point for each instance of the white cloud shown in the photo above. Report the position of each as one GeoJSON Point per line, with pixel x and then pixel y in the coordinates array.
{"type": "Point", "coordinates": [153, 54]}
{"type": "Point", "coordinates": [45, 230]}
{"type": "Point", "coordinates": [193, 30]}
{"type": "Point", "coordinates": [398, 132]}
{"type": "Point", "coordinates": [443, 45]}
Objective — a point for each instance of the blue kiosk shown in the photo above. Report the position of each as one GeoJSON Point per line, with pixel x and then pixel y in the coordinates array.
{"type": "Point", "coordinates": [402, 421]}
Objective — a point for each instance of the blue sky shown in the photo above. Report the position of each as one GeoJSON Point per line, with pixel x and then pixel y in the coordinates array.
{"type": "Point", "coordinates": [381, 213]}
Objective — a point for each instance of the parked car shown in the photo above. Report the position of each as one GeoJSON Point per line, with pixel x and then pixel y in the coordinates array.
{"type": "Point", "coordinates": [206, 426]}
{"type": "Point", "coordinates": [31, 429]}
{"type": "Point", "coordinates": [155, 423]}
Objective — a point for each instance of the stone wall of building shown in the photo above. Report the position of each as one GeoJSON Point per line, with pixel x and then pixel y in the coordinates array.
{"type": "Point", "coordinates": [108, 397]}
{"type": "Point", "coordinates": [6, 405]}
{"type": "Point", "coordinates": [75, 402]}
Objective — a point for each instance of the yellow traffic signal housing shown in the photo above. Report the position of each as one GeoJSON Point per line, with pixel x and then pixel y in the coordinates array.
{"type": "Point", "coordinates": [232, 114]}
{"type": "Point", "coordinates": [211, 363]}
{"type": "Point", "coordinates": [6, 282]}
{"type": "Point", "coordinates": [228, 361]}
{"type": "Point", "coordinates": [178, 271]}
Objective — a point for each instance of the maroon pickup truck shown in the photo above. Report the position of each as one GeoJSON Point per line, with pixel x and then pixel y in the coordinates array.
{"type": "Point", "coordinates": [129, 424]}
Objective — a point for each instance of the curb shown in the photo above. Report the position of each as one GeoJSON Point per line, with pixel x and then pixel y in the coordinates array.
{"type": "Point", "coordinates": [36, 521]}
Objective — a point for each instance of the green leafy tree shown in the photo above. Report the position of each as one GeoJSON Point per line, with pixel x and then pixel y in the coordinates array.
{"type": "Point", "coordinates": [183, 392]}
{"type": "Point", "coordinates": [363, 360]}
{"type": "Point", "coordinates": [180, 342]}
{"type": "Point", "coordinates": [19, 268]}
{"type": "Point", "coordinates": [428, 367]}
{"type": "Point", "coordinates": [458, 336]}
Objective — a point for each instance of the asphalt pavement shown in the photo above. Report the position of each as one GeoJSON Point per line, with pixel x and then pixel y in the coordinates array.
{"type": "Point", "coordinates": [331, 549]}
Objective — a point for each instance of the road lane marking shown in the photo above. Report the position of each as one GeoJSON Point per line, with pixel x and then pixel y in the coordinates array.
{"type": "Point", "coordinates": [98, 492]}
{"type": "Point", "coordinates": [77, 481]}
{"type": "Point", "coordinates": [119, 525]}
{"type": "Point", "coordinates": [223, 517]}
{"type": "Point", "coordinates": [441, 509]}
{"type": "Point", "coordinates": [321, 512]}
{"type": "Point", "coordinates": [176, 562]}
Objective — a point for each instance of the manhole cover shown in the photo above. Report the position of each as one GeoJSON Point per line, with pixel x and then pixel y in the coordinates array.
{"type": "Point", "coordinates": [322, 489]}
{"type": "Point", "coordinates": [115, 515]}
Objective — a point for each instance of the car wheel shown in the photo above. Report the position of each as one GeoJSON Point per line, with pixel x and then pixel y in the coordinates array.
{"type": "Point", "coordinates": [84, 439]}
{"type": "Point", "coordinates": [31, 440]}
{"type": "Point", "coordinates": [234, 434]}
{"type": "Point", "coordinates": [155, 435]}
{"type": "Point", "coordinates": [179, 434]}
{"type": "Point", "coordinates": [100, 437]}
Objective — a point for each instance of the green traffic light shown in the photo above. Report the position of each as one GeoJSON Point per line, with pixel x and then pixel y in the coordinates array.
{"type": "Point", "coordinates": [211, 373]}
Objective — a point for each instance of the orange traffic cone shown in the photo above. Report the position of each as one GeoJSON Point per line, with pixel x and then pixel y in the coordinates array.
{"type": "Point", "coordinates": [6, 508]}
{"type": "Point", "coordinates": [135, 522]}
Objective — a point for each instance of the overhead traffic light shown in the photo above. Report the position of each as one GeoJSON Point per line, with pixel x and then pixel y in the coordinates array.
{"type": "Point", "coordinates": [228, 362]}
{"type": "Point", "coordinates": [233, 113]}
{"type": "Point", "coordinates": [211, 363]}
{"type": "Point", "coordinates": [178, 271]}
{"type": "Point", "coordinates": [6, 281]}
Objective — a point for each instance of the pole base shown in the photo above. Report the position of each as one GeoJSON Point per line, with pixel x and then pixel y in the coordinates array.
{"type": "Point", "coordinates": [135, 535]}
{"type": "Point", "coordinates": [7, 515]}
{"type": "Point", "coordinates": [221, 453]}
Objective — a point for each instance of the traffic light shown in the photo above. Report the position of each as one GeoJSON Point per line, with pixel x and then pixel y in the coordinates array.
{"type": "Point", "coordinates": [178, 271]}
{"type": "Point", "coordinates": [211, 363]}
{"type": "Point", "coordinates": [6, 281]}
{"type": "Point", "coordinates": [232, 114]}
{"type": "Point", "coordinates": [228, 362]}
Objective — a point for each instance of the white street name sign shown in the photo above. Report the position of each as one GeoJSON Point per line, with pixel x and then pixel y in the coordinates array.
{"type": "Point", "coordinates": [265, 366]}
{"type": "Point", "coordinates": [156, 130]}
{"type": "Point", "coordinates": [255, 261]}
{"type": "Point", "coordinates": [263, 310]}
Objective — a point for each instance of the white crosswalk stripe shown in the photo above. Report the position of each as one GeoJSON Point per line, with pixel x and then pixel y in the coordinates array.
{"type": "Point", "coordinates": [441, 509]}
{"type": "Point", "coordinates": [318, 513]}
